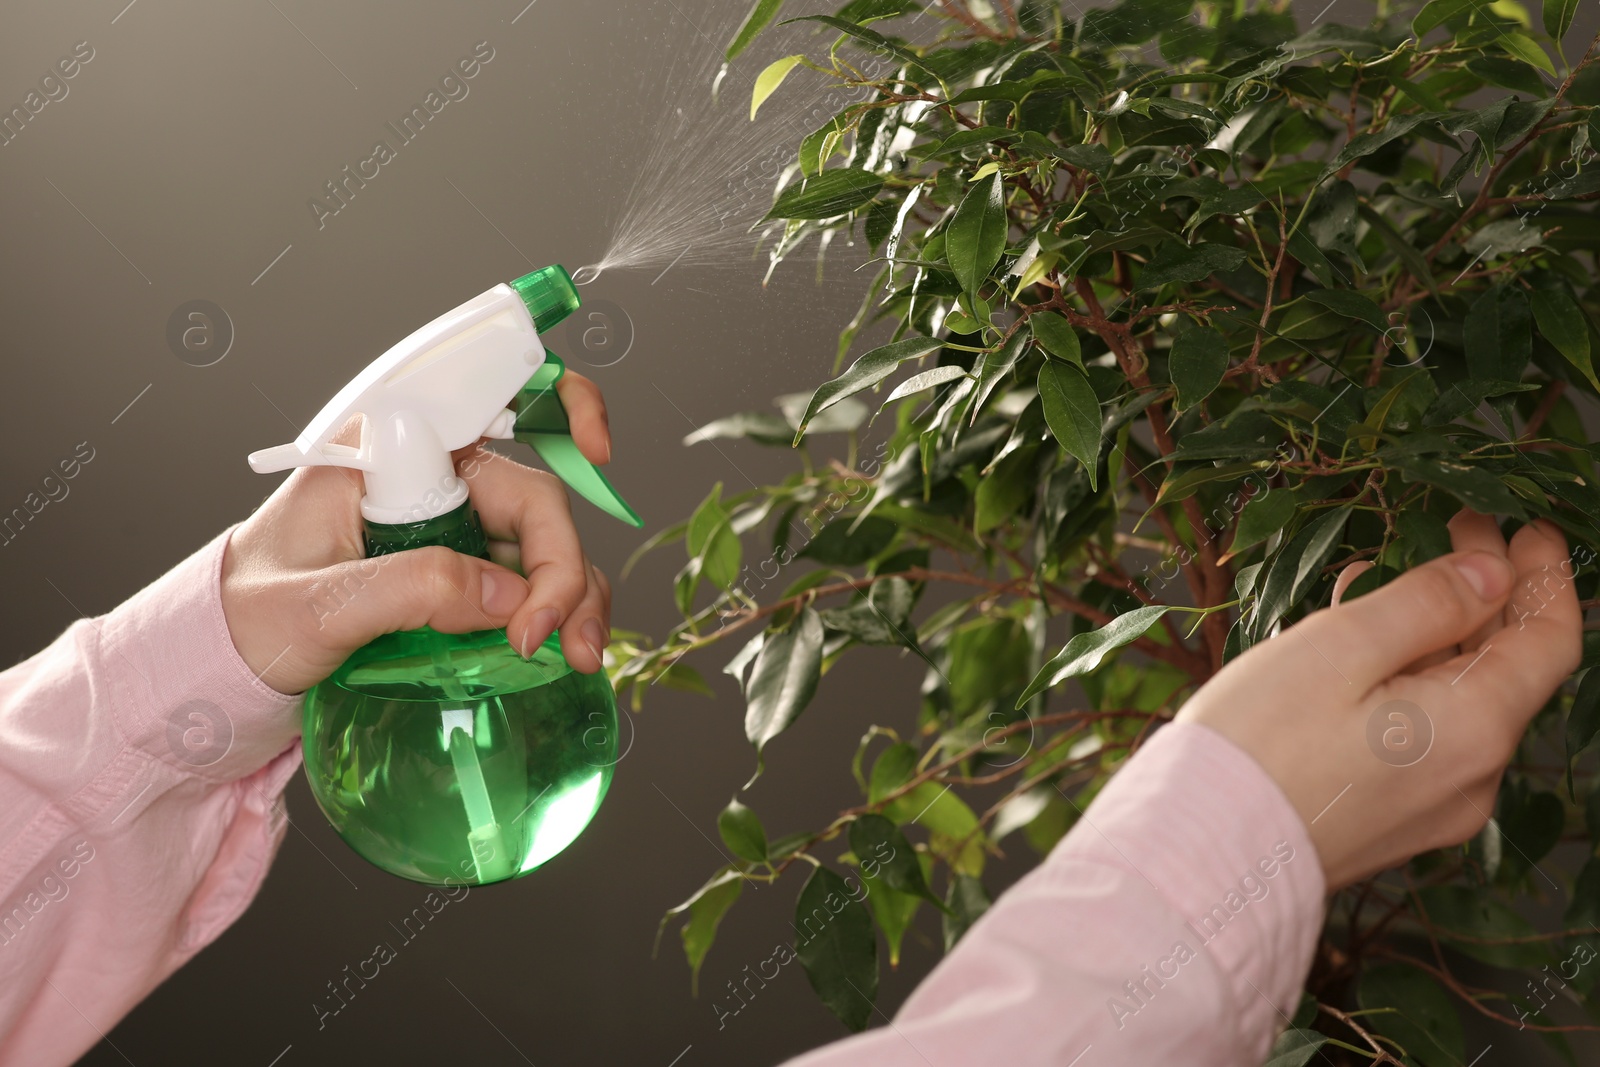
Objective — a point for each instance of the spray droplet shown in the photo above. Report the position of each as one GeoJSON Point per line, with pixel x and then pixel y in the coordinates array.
{"type": "Point", "coordinates": [585, 275]}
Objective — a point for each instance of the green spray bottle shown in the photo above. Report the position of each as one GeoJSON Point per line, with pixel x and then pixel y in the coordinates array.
{"type": "Point", "coordinates": [448, 758]}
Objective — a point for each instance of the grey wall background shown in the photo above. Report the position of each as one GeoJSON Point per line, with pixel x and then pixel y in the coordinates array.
{"type": "Point", "coordinates": [178, 168]}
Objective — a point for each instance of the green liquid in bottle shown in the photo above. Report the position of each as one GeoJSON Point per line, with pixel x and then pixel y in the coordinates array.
{"type": "Point", "coordinates": [448, 758]}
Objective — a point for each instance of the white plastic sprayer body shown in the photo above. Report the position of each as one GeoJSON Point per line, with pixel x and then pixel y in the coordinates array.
{"type": "Point", "coordinates": [439, 389]}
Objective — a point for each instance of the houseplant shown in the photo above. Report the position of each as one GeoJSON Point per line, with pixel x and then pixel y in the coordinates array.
{"type": "Point", "coordinates": [1185, 307]}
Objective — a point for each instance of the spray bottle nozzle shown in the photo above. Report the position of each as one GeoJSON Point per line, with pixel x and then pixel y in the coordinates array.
{"type": "Point", "coordinates": [549, 295]}
{"type": "Point", "coordinates": [443, 387]}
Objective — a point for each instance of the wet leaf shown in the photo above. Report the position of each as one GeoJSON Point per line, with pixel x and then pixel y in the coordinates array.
{"type": "Point", "coordinates": [759, 18]}
{"type": "Point", "coordinates": [1085, 652]}
{"type": "Point", "coordinates": [823, 196]}
{"type": "Point", "coordinates": [869, 370]}
{"type": "Point", "coordinates": [783, 679]}
{"type": "Point", "coordinates": [837, 947]}
{"type": "Point", "coordinates": [1072, 412]}
{"type": "Point", "coordinates": [767, 83]}
{"type": "Point", "coordinates": [977, 234]}
{"type": "Point", "coordinates": [1424, 1022]}
{"type": "Point", "coordinates": [742, 832]}
{"type": "Point", "coordinates": [705, 910]}
{"type": "Point", "coordinates": [1198, 361]}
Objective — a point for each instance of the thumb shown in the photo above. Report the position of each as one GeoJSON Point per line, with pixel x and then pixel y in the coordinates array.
{"type": "Point", "coordinates": [453, 593]}
{"type": "Point", "coordinates": [1435, 606]}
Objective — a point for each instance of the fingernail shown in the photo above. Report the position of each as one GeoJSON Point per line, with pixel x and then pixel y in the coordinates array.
{"type": "Point", "coordinates": [502, 592]}
{"type": "Point", "coordinates": [541, 626]}
{"type": "Point", "coordinates": [595, 638]}
{"type": "Point", "coordinates": [603, 462]}
{"type": "Point", "coordinates": [1490, 576]}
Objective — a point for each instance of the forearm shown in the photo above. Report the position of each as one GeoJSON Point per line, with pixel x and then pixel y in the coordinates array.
{"type": "Point", "coordinates": [141, 767]}
{"type": "Point", "coordinates": [1174, 924]}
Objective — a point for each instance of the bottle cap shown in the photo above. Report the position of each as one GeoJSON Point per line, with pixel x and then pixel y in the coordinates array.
{"type": "Point", "coordinates": [549, 295]}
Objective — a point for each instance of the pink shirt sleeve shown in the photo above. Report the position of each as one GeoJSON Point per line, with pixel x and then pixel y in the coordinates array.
{"type": "Point", "coordinates": [1174, 924]}
{"type": "Point", "coordinates": [141, 772]}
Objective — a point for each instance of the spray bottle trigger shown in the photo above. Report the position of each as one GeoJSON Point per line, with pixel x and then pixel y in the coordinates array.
{"type": "Point", "coordinates": [542, 424]}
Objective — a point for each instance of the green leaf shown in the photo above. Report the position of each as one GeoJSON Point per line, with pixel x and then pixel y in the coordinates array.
{"type": "Point", "coordinates": [1305, 321]}
{"type": "Point", "coordinates": [882, 617]}
{"type": "Point", "coordinates": [894, 767]}
{"type": "Point", "coordinates": [1003, 491]}
{"type": "Point", "coordinates": [1293, 570]}
{"type": "Point", "coordinates": [846, 543]}
{"type": "Point", "coordinates": [784, 679]}
{"type": "Point", "coordinates": [1364, 144]}
{"type": "Point", "coordinates": [1072, 411]}
{"type": "Point", "coordinates": [1294, 1048]}
{"type": "Point", "coordinates": [1436, 12]}
{"type": "Point", "coordinates": [967, 901]}
{"type": "Point", "coordinates": [1330, 222]}
{"type": "Point", "coordinates": [760, 17]}
{"type": "Point", "coordinates": [927, 379]}
{"type": "Point", "coordinates": [1564, 325]}
{"type": "Point", "coordinates": [1198, 361]}
{"type": "Point", "coordinates": [837, 947]}
{"type": "Point", "coordinates": [712, 542]}
{"type": "Point", "coordinates": [1531, 821]}
{"type": "Point", "coordinates": [977, 234]}
{"type": "Point", "coordinates": [996, 365]}
{"type": "Point", "coordinates": [1526, 49]}
{"type": "Point", "coordinates": [1424, 1020]}
{"type": "Point", "coordinates": [1583, 721]}
{"type": "Point", "coordinates": [755, 425]}
{"type": "Point", "coordinates": [742, 832]}
{"type": "Point", "coordinates": [894, 910]}
{"type": "Point", "coordinates": [1350, 304]}
{"type": "Point", "coordinates": [1266, 514]}
{"type": "Point", "coordinates": [768, 80]}
{"type": "Point", "coordinates": [869, 370]}
{"type": "Point", "coordinates": [1481, 920]}
{"type": "Point", "coordinates": [1056, 335]}
{"type": "Point", "coordinates": [884, 852]}
{"type": "Point", "coordinates": [705, 910]}
{"type": "Point", "coordinates": [1558, 17]}
{"type": "Point", "coordinates": [1085, 652]}
{"type": "Point", "coordinates": [1497, 334]}
{"type": "Point", "coordinates": [1504, 237]}
{"type": "Point", "coordinates": [1177, 262]}
{"type": "Point", "coordinates": [826, 195]}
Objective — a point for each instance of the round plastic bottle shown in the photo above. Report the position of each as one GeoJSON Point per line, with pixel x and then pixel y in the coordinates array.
{"type": "Point", "coordinates": [448, 758]}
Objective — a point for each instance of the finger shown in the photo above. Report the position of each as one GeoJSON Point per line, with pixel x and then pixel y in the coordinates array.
{"type": "Point", "coordinates": [1472, 532]}
{"type": "Point", "coordinates": [1347, 578]}
{"type": "Point", "coordinates": [432, 586]}
{"type": "Point", "coordinates": [1523, 662]}
{"type": "Point", "coordinates": [586, 632]}
{"type": "Point", "coordinates": [506, 553]}
{"type": "Point", "coordinates": [311, 508]}
{"type": "Point", "coordinates": [516, 503]}
{"type": "Point", "coordinates": [1434, 606]}
{"type": "Point", "coordinates": [586, 412]}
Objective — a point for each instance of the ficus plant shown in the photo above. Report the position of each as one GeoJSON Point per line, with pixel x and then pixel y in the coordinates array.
{"type": "Point", "coordinates": [1184, 308]}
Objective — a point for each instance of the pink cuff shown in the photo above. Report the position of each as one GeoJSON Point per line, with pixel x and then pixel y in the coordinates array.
{"type": "Point", "coordinates": [186, 696]}
{"type": "Point", "coordinates": [1200, 820]}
